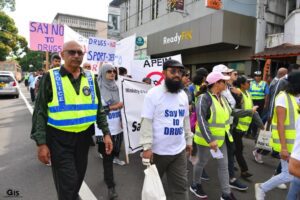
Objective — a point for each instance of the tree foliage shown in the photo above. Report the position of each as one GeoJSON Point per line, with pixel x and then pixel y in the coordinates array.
{"type": "Point", "coordinates": [11, 44]}
{"type": "Point", "coordinates": [9, 4]}
{"type": "Point", "coordinates": [33, 58]}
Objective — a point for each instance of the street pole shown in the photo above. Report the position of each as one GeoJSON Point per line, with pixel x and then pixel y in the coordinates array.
{"type": "Point", "coordinates": [47, 61]}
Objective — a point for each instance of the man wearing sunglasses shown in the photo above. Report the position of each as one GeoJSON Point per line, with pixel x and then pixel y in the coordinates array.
{"type": "Point", "coordinates": [67, 106]}
{"type": "Point", "coordinates": [165, 129]}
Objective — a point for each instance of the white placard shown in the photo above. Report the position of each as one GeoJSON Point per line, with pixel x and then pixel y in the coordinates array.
{"type": "Point", "coordinates": [151, 68]}
{"type": "Point", "coordinates": [124, 54]}
{"type": "Point", "coordinates": [101, 50]}
{"type": "Point", "coordinates": [132, 94]}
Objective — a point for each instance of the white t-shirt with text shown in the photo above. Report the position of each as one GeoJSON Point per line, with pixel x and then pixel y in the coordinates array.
{"type": "Point", "coordinates": [113, 120]}
{"type": "Point", "coordinates": [167, 112]}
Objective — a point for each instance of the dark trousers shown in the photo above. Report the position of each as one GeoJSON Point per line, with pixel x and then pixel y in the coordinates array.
{"type": "Point", "coordinates": [239, 147]}
{"type": "Point", "coordinates": [278, 169]}
{"type": "Point", "coordinates": [69, 157]}
{"type": "Point", "coordinates": [253, 128]}
{"type": "Point", "coordinates": [32, 94]}
{"type": "Point", "coordinates": [108, 159]}
{"type": "Point", "coordinates": [175, 168]}
{"type": "Point", "coordinates": [230, 154]}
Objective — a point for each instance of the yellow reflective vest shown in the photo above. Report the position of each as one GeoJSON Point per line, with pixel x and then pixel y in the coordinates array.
{"type": "Point", "coordinates": [289, 124]}
{"type": "Point", "coordinates": [218, 122]}
{"type": "Point", "coordinates": [257, 91]}
{"type": "Point", "coordinates": [244, 122]}
{"type": "Point", "coordinates": [69, 111]}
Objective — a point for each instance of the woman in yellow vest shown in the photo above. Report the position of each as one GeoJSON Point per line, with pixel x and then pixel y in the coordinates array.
{"type": "Point", "coordinates": [198, 87]}
{"type": "Point", "coordinates": [213, 112]}
{"type": "Point", "coordinates": [283, 133]}
{"type": "Point", "coordinates": [243, 123]}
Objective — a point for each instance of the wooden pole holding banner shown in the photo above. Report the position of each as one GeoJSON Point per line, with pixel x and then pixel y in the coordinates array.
{"type": "Point", "coordinates": [267, 69]}
{"type": "Point", "coordinates": [47, 61]}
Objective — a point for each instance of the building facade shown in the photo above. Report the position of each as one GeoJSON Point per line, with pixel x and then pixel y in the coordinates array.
{"type": "Point", "coordinates": [204, 35]}
{"type": "Point", "coordinates": [113, 25]}
{"type": "Point", "coordinates": [86, 27]}
{"type": "Point", "coordinates": [278, 33]}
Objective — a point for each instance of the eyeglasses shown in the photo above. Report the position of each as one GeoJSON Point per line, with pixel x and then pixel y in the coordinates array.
{"type": "Point", "coordinates": [174, 71]}
{"type": "Point", "coordinates": [73, 52]}
{"type": "Point", "coordinates": [111, 71]}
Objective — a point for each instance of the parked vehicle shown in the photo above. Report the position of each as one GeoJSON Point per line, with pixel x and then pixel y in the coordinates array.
{"type": "Point", "coordinates": [8, 84]}
{"type": "Point", "coordinates": [13, 67]}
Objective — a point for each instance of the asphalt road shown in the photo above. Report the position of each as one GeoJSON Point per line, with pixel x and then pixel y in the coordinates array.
{"type": "Point", "coordinates": [23, 177]}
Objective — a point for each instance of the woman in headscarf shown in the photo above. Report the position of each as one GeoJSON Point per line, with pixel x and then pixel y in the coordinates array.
{"type": "Point", "coordinates": [112, 105]}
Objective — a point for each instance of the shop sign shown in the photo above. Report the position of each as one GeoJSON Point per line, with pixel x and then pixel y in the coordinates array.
{"type": "Point", "coordinates": [214, 4]}
{"type": "Point", "coordinates": [139, 41]}
{"type": "Point", "coordinates": [177, 38]}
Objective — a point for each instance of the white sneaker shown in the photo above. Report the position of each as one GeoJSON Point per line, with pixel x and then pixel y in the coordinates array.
{"type": "Point", "coordinates": [257, 157]}
{"type": "Point", "coordinates": [119, 162]}
{"type": "Point", "coordinates": [259, 193]}
{"type": "Point", "coordinates": [100, 155]}
{"type": "Point", "coordinates": [282, 186]}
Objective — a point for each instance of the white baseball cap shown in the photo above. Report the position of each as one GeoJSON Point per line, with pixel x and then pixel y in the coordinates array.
{"type": "Point", "coordinates": [222, 68]}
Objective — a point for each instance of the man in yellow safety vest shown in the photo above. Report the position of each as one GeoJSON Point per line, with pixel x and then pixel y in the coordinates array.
{"type": "Point", "coordinates": [67, 106]}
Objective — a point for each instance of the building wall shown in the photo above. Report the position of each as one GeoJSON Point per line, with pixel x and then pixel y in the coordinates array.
{"type": "Point", "coordinates": [270, 20]}
{"type": "Point", "coordinates": [152, 23]}
{"type": "Point", "coordinates": [113, 25]}
{"type": "Point", "coordinates": [101, 29]}
{"type": "Point", "coordinates": [292, 28]}
{"type": "Point", "coordinates": [86, 27]}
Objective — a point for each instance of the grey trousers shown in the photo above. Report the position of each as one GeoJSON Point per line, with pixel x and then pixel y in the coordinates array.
{"type": "Point", "coordinates": [204, 156]}
{"type": "Point", "coordinates": [175, 168]}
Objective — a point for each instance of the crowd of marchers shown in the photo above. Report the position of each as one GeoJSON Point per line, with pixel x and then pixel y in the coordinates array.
{"type": "Point", "coordinates": [205, 116]}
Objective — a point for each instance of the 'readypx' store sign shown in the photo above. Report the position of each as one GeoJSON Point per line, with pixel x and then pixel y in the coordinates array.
{"type": "Point", "coordinates": [176, 38]}
{"type": "Point", "coordinates": [204, 31]}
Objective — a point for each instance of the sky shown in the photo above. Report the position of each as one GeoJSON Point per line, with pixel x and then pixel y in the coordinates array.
{"type": "Point", "coordinates": [45, 11]}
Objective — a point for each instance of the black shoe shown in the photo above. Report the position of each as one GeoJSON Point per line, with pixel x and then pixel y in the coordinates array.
{"type": "Point", "coordinates": [204, 176]}
{"type": "Point", "coordinates": [275, 155]}
{"type": "Point", "coordinates": [197, 190]}
{"type": "Point", "coordinates": [236, 184]}
{"type": "Point", "coordinates": [228, 197]}
{"type": "Point", "coordinates": [246, 174]}
{"type": "Point", "coordinates": [112, 194]}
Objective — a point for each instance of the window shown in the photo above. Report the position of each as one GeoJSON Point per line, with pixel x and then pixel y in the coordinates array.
{"type": "Point", "coordinates": [127, 3]}
{"type": "Point", "coordinates": [140, 12]}
{"type": "Point", "coordinates": [154, 11]}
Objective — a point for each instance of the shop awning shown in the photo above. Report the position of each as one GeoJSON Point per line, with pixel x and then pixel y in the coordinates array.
{"type": "Point", "coordinates": [282, 51]}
